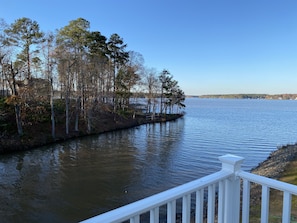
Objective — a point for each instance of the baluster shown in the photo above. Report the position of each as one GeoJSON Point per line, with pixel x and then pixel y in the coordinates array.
{"type": "Point", "coordinates": [246, 201]}
{"type": "Point", "coordinates": [265, 204]}
{"type": "Point", "coordinates": [171, 211]}
{"type": "Point", "coordinates": [211, 204]}
{"type": "Point", "coordinates": [186, 212]}
{"type": "Point", "coordinates": [135, 219]}
{"type": "Point", "coordinates": [221, 201]}
{"type": "Point", "coordinates": [287, 202]}
{"type": "Point", "coordinates": [199, 206]}
{"type": "Point", "coordinates": [154, 215]}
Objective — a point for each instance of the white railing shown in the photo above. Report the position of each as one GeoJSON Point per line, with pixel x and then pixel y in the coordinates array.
{"type": "Point", "coordinates": [266, 183]}
{"type": "Point", "coordinates": [214, 198]}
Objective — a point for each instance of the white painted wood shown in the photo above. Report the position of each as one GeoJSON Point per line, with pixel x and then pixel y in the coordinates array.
{"type": "Point", "coordinates": [231, 162]}
{"type": "Point", "coordinates": [199, 206]}
{"type": "Point", "coordinates": [265, 204]}
{"type": "Point", "coordinates": [171, 211]}
{"type": "Point", "coordinates": [154, 215]}
{"type": "Point", "coordinates": [236, 199]}
{"type": "Point", "coordinates": [275, 184]}
{"type": "Point", "coordinates": [246, 201]}
{"type": "Point", "coordinates": [227, 203]}
{"type": "Point", "coordinates": [221, 199]}
{"type": "Point", "coordinates": [288, 190]}
{"type": "Point", "coordinates": [135, 219]}
{"type": "Point", "coordinates": [186, 212]}
{"type": "Point", "coordinates": [232, 200]}
{"type": "Point", "coordinates": [211, 204]}
{"type": "Point", "coordinates": [287, 204]}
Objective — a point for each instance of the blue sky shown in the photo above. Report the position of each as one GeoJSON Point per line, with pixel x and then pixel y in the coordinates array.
{"type": "Point", "coordinates": [209, 46]}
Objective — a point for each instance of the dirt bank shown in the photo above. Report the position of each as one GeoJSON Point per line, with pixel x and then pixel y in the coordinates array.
{"type": "Point", "coordinates": [275, 165]}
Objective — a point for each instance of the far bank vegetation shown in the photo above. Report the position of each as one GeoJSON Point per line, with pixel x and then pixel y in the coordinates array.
{"type": "Point", "coordinates": [74, 79]}
{"type": "Point", "coordinates": [253, 96]}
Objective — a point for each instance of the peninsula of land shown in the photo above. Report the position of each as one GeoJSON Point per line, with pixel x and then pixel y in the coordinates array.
{"type": "Point", "coordinates": [40, 134]}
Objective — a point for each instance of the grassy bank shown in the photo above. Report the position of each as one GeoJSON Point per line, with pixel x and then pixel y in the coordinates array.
{"type": "Point", "coordinates": [290, 176]}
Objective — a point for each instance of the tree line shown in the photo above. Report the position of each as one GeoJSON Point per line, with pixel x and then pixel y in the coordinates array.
{"type": "Point", "coordinates": [87, 71]}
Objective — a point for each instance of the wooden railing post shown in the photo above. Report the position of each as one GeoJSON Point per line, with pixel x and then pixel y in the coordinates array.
{"type": "Point", "coordinates": [232, 188]}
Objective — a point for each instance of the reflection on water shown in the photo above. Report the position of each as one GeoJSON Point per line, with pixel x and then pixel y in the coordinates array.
{"type": "Point", "coordinates": [75, 180]}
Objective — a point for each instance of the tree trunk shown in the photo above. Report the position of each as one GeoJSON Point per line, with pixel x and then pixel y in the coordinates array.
{"type": "Point", "coordinates": [28, 62]}
{"type": "Point", "coordinates": [89, 120]}
{"type": "Point", "coordinates": [77, 111]}
{"type": "Point", "coordinates": [16, 106]}
{"type": "Point", "coordinates": [52, 111]}
{"type": "Point", "coordinates": [67, 113]}
{"type": "Point", "coordinates": [18, 119]}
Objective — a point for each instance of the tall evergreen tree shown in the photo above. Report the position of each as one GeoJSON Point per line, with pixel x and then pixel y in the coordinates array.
{"type": "Point", "coordinates": [164, 78]}
{"type": "Point", "coordinates": [48, 52]}
{"type": "Point", "coordinates": [73, 38]}
{"type": "Point", "coordinates": [171, 94]}
{"type": "Point", "coordinates": [98, 65]}
{"type": "Point", "coordinates": [24, 33]}
{"type": "Point", "coordinates": [118, 57]}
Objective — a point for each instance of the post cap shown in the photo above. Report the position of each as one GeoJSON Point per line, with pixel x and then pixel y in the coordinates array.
{"type": "Point", "coordinates": [231, 162]}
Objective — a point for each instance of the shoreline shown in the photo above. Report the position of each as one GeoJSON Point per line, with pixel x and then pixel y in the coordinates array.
{"type": "Point", "coordinates": [16, 144]}
{"type": "Point", "coordinates": [276, 166]}
{"type": "Point", "coordinates": [273, 166]}
{"type": "Point", "coordinates": [276, 163]}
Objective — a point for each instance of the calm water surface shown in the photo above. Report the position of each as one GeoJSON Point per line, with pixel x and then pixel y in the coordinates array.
{"type": "Point", "coordinates": [75, 180]}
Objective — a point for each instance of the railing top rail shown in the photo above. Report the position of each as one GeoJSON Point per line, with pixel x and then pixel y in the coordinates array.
{"type": "Point", "coordinates": [146, 204]}
{"type": "Point", "coordinates": [275, 184]}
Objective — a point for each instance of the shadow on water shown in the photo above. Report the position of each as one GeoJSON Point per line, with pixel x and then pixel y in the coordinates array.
{"type": "Point", "coordinates": [76, 180]}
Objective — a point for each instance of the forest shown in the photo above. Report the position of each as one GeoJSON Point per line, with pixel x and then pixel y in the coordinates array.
{"type": "Point", "coordinates": [72, 80]}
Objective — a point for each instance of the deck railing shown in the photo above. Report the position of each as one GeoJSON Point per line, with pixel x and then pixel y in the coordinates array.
{"type": "Point", "coordinates": [222, 197]}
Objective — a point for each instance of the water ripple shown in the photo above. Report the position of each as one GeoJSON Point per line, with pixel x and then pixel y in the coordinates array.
{"type": "Point", "coordinates": [78, 179]}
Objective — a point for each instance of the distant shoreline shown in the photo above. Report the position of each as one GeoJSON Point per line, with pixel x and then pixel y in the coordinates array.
{"type": "Point", "coordinates": [248, 96]}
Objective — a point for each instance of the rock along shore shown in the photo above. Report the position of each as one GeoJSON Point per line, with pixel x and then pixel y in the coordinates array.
{"type": "Point", "coordinates": [277, 161]}
{"type": "Point", "coordinates": [273, 167]}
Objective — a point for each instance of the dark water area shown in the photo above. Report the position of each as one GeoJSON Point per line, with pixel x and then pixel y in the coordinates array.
{"type": "Point", "coordinates": [75, 180]}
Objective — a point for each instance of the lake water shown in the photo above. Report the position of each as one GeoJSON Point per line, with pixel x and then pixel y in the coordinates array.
{"type": "Point", "coordinates": [75, 180]}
